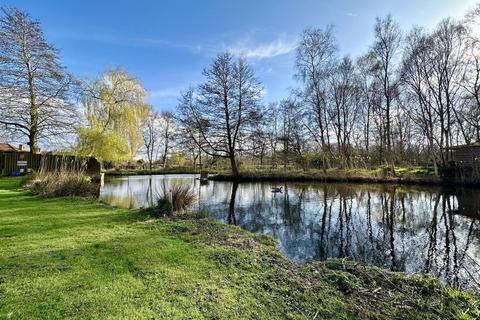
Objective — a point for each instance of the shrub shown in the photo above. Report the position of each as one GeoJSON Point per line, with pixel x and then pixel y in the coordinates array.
{"type": "Point", "coordinates": [203, 214]}
{"type": "Point", "coordinates": [175, 200]}
{"type": "Point", "coordinates": [164, 207]}
{"type": "Point", "coordinates": [63, 183]}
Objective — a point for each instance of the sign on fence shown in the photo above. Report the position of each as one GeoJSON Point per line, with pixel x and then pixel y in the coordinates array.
{"type": "Point", "coordinates": [21, 163]}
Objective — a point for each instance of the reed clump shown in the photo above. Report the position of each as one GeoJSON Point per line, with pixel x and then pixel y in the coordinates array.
{"type": "Point", "coordinates": [63, 183]}
{"type": "Point", "coordinates": [176, 199]}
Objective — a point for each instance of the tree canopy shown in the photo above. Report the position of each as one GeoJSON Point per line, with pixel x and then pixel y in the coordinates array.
{"type": "Point", "coordinates": [35, 89]}
{"type": "Point", "coordinates": [114, 111]}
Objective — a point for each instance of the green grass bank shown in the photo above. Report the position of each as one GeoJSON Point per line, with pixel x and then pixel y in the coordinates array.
{"type": "Point", "coordinates": [142, 172]}
{"type": "Point", "coordinates": [71, 258]}
{"type": "Point", "coordinates": [403, 175]}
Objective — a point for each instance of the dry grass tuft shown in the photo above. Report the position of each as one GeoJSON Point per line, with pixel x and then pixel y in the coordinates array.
{"type": "Point", "coordinates": [63, 183]}
{"type": "Point", "coordinates": [178, 198]}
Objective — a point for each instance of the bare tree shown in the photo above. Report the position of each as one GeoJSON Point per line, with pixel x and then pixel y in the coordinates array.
{"type": "Point", "coordinates": [385, 50]}
{"type": "Point", "coordinates": [441, 79]}
{"type": "Point", "coordinates": [35, 88]}
{"type": "Point", "coordinates": [344, 87]}
{"type": "Point", "coordinates": [471, 81]}
{"type": "Point", "coordinates": [316, 55]}
{"type": "Point", "coordinates": [273, 130]}
{"type": "Point", "coordinates": [415, 72]}
{"type": "Point", "coordinates": [185, 132]}
{"type": "Point", "coordinates": [292, 131]}
{"type": "Point", "coordinates": [166, 119]}
{"type": "Point", "coordinates": [225, 110]}
{"type": "Point", "coordinates": [151, 136]}
{"type": "Point", "coordinates": [446, 59]}
{"type": "Point", "coordinates": [370, 97]}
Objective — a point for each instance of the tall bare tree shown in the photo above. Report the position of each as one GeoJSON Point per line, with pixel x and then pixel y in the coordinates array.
{"type": "Point", "coordinates": [167, 127]}
{"type": "Point", "coordinates": [225, 110]}
{"type": "Point", "coordinates": [35, 88]}
{"type": "Point", "coordinates": [447, 70]}
{"type": "Point", "coordinates": [471, 81]}
{"type": "Point", "coordinates": [315, 59]}
{"type": "Point", "coordinates": [273, 130]}
{"type": "Point", "coordinates": [292, 129]}
{"type": "Point", "coordinates": [386, 52]}
{"type": "Point", "coordinates": [370, 97]}
{"type": "Point", "coordinates": [185, 133]}
{"type": "Point", "coordinates": [415, 73]}
{"type": "Point", "coordinates": [344, 110]}
{"type": "Point", "coordinates": [151, 136]}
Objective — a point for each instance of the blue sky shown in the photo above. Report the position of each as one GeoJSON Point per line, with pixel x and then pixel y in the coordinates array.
{"type": "Point", "coordinates": [166, 44]}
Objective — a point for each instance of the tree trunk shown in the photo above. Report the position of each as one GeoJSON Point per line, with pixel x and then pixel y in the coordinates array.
{"type": "Point", "coordinates": [231, 206]}
{"type": "Point", "coordinates": [164, 157]}
{"type": "Point", "coordinates": [200, 159]}
{"type": "Point", "coordinates": [33, 110]}
{"type": "Point", "coordinates": [233, 164]}
{"type": "Point", "coordinates": [33, 141]}
{"type": "Point", "coordinates": [194, 161]}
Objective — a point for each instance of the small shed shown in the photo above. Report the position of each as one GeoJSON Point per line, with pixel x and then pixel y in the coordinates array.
{"type": "Point", "coordinates": [11, 157]}
{"type": "Point", "coordinates": [466, 156]}
{"type": "Point", "coordinates": [8, 148]}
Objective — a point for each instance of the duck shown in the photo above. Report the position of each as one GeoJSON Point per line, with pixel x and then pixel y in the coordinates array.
{"type": "Point", "coordinates": [277, 189]}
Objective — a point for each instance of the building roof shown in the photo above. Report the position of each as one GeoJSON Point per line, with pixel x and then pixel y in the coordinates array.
{"type": "Point", "coordinates": [5, 147]}
{"type": "Point", "coordinates": [466, 146]}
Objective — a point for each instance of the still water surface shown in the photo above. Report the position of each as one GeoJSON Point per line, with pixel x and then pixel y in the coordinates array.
{"type": "Point", "coordinates": [411, 229]}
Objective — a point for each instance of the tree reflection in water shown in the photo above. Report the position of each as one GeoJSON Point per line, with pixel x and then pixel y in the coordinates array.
{"type": "Point", "coordinates": [416, 230]}
{"type": "Point", "coordinates": [412, 229]}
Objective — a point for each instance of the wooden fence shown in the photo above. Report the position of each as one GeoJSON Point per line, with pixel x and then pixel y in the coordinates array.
{"type": "Point", "coordinates": [24, 161]}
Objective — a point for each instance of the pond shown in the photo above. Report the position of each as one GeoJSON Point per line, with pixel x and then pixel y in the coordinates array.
{"type": "Point", "coordinates": [411, 229]}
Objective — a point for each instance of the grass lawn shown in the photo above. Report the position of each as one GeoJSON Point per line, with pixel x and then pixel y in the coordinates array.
{"type": "Point", "coordinates": [68, 258]}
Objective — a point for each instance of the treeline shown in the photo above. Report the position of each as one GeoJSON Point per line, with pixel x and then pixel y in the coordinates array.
{"type": "Point", "coordinates": [408, 99]}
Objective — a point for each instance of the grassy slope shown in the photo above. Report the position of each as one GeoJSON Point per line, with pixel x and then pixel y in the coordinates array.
{"type": "Point", "coordinates": [72, 258]}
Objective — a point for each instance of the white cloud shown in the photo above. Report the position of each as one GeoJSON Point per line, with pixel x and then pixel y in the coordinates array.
{"type": "Point", "coordinates": [352, 14]}
{"type": "Point", "coordinates": [163, 99]}
{"type": "Point", "coordinates": [248, 48]}
{"type": "Point", "coordinates": [164, 93]}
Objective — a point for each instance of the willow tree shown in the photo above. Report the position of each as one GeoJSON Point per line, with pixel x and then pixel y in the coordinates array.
{"type": "Point", "coordinates": [114, 112]}
{"type": "Point", "coordinates": [225, 110]}
{"type": "Point", "coordinates": [35, 88]}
